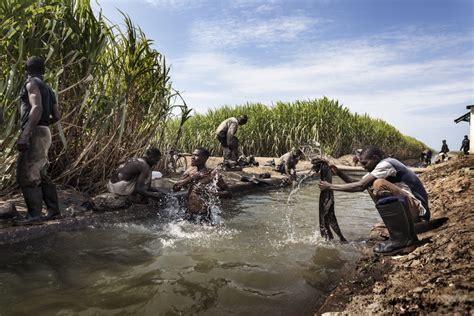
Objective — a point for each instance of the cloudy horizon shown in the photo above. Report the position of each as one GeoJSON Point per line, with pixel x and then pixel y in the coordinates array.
{"type": "Point", "coordinates": [409, 63]}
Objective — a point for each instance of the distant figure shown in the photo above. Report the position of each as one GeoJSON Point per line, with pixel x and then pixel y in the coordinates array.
{"type": "Point", "coordinates": [465, 145]}
{"type": "Point", "coordinates": [444, 148]}
{"type": "Point", "coordinates": [355, 158]}
{"type": "Point", "coordinates": [205, 185]}
{"type": "Point", "coordinates": [287, 164]}
{"type": "Point", "coordinates": [1, 116]}
{"type": "Point", "coordinates": [39, 110]}
{"type": "Point", "coordinates": [426, 156]}
{"type": "Point", "coordinates": [443, 154]}
{"type": "Point", "coordinates": [133, 178]}
{"type": "Point", "coordinates": [225, 134]}
{"type": "Point", "coordinates": [399, 196]}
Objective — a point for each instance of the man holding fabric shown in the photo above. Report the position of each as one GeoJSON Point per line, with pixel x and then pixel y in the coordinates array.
{"type": "Point", "coordinates": [400, 197]}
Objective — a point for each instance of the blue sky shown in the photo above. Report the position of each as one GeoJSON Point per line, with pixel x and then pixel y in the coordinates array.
{"type": "Point", "coordinates": [409, 62]}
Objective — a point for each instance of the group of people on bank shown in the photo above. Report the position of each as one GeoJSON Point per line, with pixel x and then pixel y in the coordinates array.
{"type": "Point", "coordinates": [443, 155]}
{"type": "Point", "coordinates": [398, 193]}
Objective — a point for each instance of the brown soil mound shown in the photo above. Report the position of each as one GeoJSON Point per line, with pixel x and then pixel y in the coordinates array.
{"type": "Point", "coordinates": [436, 277]}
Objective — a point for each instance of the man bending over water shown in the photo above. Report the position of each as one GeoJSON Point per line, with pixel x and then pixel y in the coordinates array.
{"type": "Point", "coordinates": [287, 164]}
{"type": "Point", "coordinates": [400, 197]}
{"type": "Point", "coordinates": [133, 177]}
{"type": "Point", "coordinates": [205, 185]}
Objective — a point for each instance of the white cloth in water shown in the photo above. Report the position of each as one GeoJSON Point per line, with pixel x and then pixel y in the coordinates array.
{"type": "Point", "coordinates": [156, 175]}
{"type": "Point", "coordinates": [123, 188]}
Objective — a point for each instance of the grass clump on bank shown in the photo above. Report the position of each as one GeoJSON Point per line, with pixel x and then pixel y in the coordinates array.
{"type": "Point", "coordinates": [272, 131]}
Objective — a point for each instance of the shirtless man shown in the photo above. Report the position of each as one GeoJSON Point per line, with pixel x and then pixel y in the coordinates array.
{"type": "Point", "coordinates": [204, 185]}
{"type": "Point", "coordinates": [133, 177]}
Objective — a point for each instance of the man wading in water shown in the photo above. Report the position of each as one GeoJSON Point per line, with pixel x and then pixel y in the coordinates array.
{"type": "Point", "coordinates": [39, 110]}
{"type": "Point", "coordinates": [205, 185]}
{"type": "Point", "coordinates": [399, 195]}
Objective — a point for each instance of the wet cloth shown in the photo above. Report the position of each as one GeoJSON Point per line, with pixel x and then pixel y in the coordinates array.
{"type": "Point", "coordinates": [401, 181]}
{"type": "Point", "coordinates": [123, 188]}
{"type": "Point", "coordinates": [33, 162]}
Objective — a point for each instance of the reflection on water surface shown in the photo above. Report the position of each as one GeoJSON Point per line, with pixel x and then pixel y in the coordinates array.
{"type": "Point", "coordinates": [266, 258]}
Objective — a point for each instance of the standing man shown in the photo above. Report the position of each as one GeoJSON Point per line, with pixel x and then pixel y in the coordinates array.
{"type": "Point", "coordinates": [39, 110]}
{"type": "Point", "coordinates": [443, 153]}
{"type": "Point", "coordinates": [1, 116]}
{"type": "Point", "coordinates": [399, 195]}
{"type": "Point", "coordinates": [465, 145]}
{"type": "Point", "coordinates": [205, 185]}
{"type": "Point", "coordinates": [225, 134]}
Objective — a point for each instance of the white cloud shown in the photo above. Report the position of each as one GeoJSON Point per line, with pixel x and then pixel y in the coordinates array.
{"type": "Point", "coordinates": [380, 78]}
{"type": "Point", "coordinates": [231, 32]}
{"type": "Point", "coordinates": [169, 4]}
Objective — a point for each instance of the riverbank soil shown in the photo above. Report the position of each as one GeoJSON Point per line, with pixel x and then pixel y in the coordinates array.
{"type": "Point", "coordinates": [437, 277]}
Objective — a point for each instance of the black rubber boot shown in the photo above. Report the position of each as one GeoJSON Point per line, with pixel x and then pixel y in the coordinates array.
{"type": "Point", "coordinates": [50, 198]}
{"type": "Point", "coordinates": [399, 223]}
{"type": "Point", "coordinates": [34, 202]}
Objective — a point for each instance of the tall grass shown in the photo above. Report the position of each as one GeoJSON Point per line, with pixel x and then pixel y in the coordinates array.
{"type": "Point", "coordinates": [272, 131]}
{"type": "Point", "coordinates": [113, 88]}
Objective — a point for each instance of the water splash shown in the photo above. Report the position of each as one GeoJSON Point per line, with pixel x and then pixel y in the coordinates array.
{"type": "Point", "coordinates": [296, 185]}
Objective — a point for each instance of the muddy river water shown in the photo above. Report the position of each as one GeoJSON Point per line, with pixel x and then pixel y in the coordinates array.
{"type": "Point", "coordinates": [265, 259]}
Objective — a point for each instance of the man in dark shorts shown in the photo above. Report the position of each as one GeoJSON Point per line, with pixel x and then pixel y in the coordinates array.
{"type": "Point", "coordinates": [205, 186]}
{"type": "Point", "coordinates": [39, 110]}
{"type": "Point", "coordinates": [400, 197]}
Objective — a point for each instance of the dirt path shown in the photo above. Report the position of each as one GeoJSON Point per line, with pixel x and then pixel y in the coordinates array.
{"type": "Point", "coordinates": [435, 278]}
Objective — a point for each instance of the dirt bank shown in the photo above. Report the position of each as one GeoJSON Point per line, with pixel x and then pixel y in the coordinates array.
{"type": "Point", "coordinates": [436, 277]}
